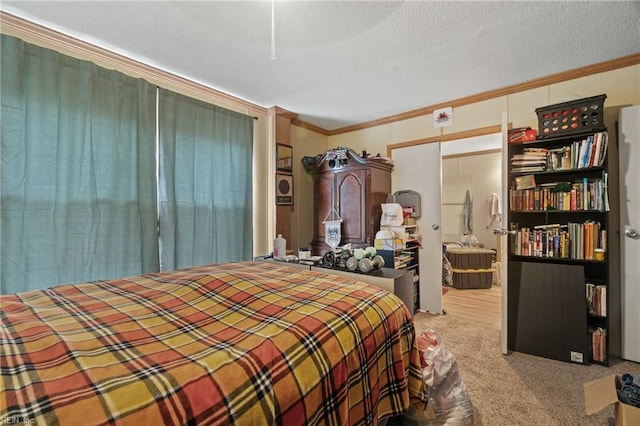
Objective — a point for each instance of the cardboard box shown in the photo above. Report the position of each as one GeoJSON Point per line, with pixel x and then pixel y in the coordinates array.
{"type": "Point", "coordinates": [522, 134]}
{"type": "Point", "coordinates": [601, 393]}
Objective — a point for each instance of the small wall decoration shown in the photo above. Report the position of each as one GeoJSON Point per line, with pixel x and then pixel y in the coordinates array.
{"type": "Point", "coordinates": [442, 117]}
{"type": "Point", "coordinates": [284, 189]}
{"type": "Point", "coordinates": [284, 158]}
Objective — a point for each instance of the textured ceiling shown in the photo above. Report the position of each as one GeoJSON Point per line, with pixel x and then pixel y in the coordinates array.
{"type": "Point", "coordinates": [344, 63]}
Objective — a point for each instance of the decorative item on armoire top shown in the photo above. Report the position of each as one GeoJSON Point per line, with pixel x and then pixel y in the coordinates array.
{"type": "Point", "coordinates": [337, 157]}
{"type": "Point", "coordinates": [308, 162]}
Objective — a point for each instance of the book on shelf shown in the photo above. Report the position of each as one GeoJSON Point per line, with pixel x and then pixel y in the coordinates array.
{"type": "Point", "coordinates": [598, 343]}
{"type": "Point", "coordinates": [605, 192]}
{"type": "Point", "coordinates": [525, 182]}
{"type": "Point", "coordinates": [599, 152]}
{"type": "Point", "coordinates": [596, 299]}
{"type": "Point", "coordinates": [534, 159]}
{"type": "Point", "coordinates": [591, 151]}
{"type": "Point", "coordinates": [583, 151]}
{"type": "Point", "coordinates": [559, 158]}
{"type": "Point", "coordinates": [528, 169]}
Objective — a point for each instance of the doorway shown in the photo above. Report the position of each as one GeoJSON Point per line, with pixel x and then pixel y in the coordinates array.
{"type": "Point", "coordinates": [473, 166]}
{"type": "Point", "coordinates": [468, 143]}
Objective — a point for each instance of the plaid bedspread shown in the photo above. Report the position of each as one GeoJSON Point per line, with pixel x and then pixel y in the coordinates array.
{"type": "Point", "coordinates": [247, 343]}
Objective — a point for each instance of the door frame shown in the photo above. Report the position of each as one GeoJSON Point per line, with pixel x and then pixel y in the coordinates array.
{"type": "Point", "coordinates": [483, 131]}
{"type": "Point", "coordinates": [504, 247]}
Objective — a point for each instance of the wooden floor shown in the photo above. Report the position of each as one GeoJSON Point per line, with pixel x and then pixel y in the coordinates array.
{"type": "Point", "coordinates": [480, 306]}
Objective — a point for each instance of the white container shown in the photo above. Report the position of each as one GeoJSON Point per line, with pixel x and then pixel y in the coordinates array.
{"type": "Point", "coordinates": [279, 247]}
{"type": "Point", "coordinates": [304, 253]}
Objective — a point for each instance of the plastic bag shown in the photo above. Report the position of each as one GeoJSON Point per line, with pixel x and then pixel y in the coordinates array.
{"type": "Point", "coordinates": [448, 400]}
{"type": "Point", "coordinates": [392, 213]}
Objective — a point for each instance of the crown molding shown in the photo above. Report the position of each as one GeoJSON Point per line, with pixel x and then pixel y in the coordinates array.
{"type": "Point", "coordinates": [300, 123]}
{"type": "Point", "coordinates": [281, 112]}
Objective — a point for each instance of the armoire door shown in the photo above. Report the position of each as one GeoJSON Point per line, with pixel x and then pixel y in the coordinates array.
{"type": "Point", "coordinates": [351, 193]}
{"type": "Point", "coordinates": [324, 200]}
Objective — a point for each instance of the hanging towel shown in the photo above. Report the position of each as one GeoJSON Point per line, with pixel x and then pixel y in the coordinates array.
{"type": "Point", "coordinates": [495, 211]}
{"type": "Point", "coordinates": [467, 214]}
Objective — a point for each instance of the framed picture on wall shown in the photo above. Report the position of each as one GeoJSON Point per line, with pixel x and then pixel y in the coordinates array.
{"type": "Point", "coordinates": [284, 158]}
{"type": "Point", "coordinates": [284, 189]}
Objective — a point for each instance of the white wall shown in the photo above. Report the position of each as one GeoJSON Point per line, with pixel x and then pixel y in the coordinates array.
{"type": "Point", "coordinates": [480, 174]}
{"type": "Point", "coordinates": [305, 143]}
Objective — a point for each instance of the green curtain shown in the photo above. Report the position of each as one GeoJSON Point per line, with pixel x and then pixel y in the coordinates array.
{"type": "Point", "coordinates": [78, 186]}
{"type": "Point", "coordinates": [205, 183]}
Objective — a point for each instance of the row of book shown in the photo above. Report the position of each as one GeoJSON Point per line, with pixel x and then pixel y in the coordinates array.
{"type": "Point", "coordinates": [598, 337]}
{"type": "Point", "coordinates": [583, 241]}
{"type": "Point", "coordinates": [596, 299]}
{"type": "Point", "coordinates": [582, 195]}
{"type": "Point", "coordinates": [589, 152]}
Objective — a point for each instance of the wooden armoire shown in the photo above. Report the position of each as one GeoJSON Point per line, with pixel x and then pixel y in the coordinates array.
{"type": "Point", "coordinates": [355, 187]}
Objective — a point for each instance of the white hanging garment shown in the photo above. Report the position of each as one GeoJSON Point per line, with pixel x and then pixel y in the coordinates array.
{"type": "Point", "coordinates": [495, 211]}
{"type": "Point", "coordinates": [467, 212]}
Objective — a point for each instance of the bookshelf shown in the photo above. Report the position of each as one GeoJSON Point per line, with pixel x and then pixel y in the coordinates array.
{"type": "Point", "coordinates": [559, 266]}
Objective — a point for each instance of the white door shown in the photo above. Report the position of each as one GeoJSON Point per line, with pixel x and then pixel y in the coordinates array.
{"type": "Point", "coordinates": [418, 168]}
{"type": "Point", "coordinates": [629, 156]}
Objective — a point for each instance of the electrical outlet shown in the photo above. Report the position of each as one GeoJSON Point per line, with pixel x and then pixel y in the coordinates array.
{"type": "Point", "coordinates": [576, 357]}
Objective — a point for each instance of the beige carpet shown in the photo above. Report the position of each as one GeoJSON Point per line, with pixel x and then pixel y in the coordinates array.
{"type": "Point", "coordinates": [518, 389]}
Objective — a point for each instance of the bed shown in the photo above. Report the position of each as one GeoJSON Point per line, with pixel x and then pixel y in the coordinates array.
{"type": "Point", "coordinates": [246, 343]}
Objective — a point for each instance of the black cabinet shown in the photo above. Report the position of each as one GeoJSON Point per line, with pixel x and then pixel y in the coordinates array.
{"type": "Point", "coordinates": [559, 267]}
